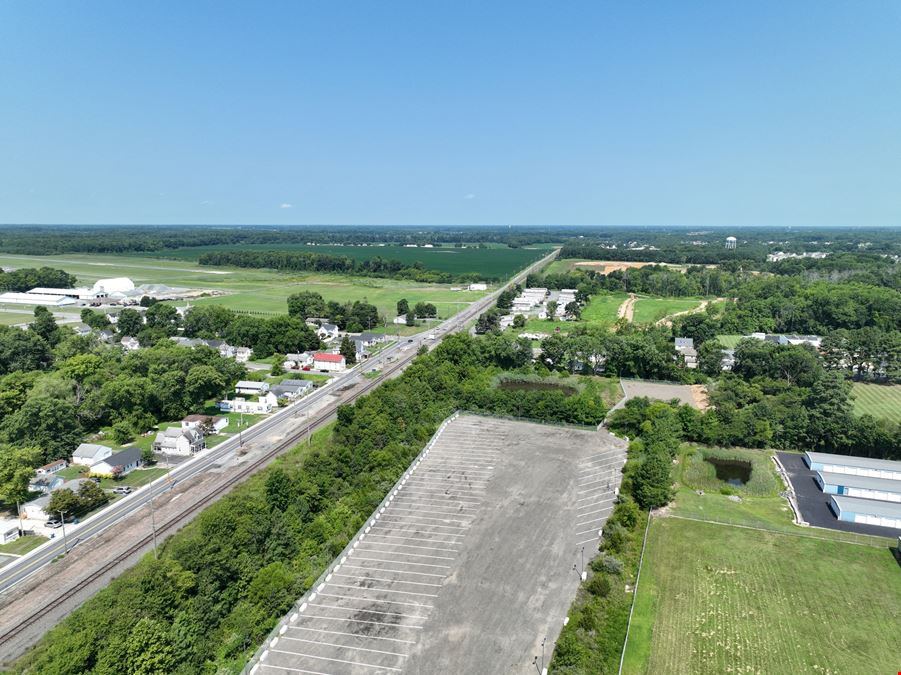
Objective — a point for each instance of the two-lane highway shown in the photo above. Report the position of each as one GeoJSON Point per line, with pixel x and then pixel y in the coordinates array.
{"type": "Point", "coordinates": [289, 422]}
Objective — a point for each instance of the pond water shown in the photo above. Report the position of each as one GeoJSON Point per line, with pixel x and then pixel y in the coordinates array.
{"type": "Point", "coordinates": [733, 471]}
{"type": "Point", "coordinates": [521, 385]}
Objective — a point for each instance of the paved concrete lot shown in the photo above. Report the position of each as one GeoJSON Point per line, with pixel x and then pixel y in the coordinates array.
{"type": "Point", "coordinates": [814, 504]}
{"type": "Point", "coordinates": [470, 565]}
{"type": "Point", "coordinates": [661, 391]}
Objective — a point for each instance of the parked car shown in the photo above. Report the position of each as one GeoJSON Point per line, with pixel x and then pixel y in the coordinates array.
{"type": "Point", "coordinates": [54, 524]}
{"type": "Point", "coordinates": [122, 490]}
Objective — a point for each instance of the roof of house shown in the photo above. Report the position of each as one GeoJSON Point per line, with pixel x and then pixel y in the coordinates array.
{"type": "Point", "coordinates": [684, 342]}
{"type": "Point", "coordinates": [304, 384]}
{"type": "Point", "coordinates": [250, 384]}
{"type": "Point", "coordinates": [850, 460]}
{"type": "Point", "coordinates": [330, 327]}
{"type": "Point", "coordinates": [367, 335]}
{"type": "Point", "coordinates": [90, 450]}
{"type": "Point", "coordinates": [53, 464]}
{"type": "Point", "coordinates": [202, 418]}
{"type": "Point", "coordinates": [862, 482]}
{"type": "Point", "coordinates": [328, 358]}
{"type": "Point", "coordinates": [297, 357]}
{"type": "Point", "coordinates": [870, 507]}
{"type": "Point", "coordinates": [124, 457]}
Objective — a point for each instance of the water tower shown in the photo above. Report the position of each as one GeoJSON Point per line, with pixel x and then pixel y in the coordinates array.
{"type": "Point", "coordinates": [731, 242]}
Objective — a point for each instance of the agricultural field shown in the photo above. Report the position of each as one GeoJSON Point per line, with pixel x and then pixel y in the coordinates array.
{"type": "Point", "coordinates": [648, 310]}
{"type": "Point", "coordinates": [882, 401]}
{"type": "Point", "coordinates": [260, 291]}
{"type": "Point", "coordinates": [717, 599]}
{"type": "Point", "coordinates": [499, 260]}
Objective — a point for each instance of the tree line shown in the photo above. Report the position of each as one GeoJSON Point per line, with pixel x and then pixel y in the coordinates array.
{"type": "Point", "coordinates": [25, 279]}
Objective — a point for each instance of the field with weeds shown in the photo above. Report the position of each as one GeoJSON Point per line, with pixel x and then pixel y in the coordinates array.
{"type": "Point", "coordinates": [719, 599]}
{"type": "Point", "coordinates": [882, 401]}
{"type": "Point", "coordinates": [698, 473]}
{"type": "Point", "coordinates": [648, 310]}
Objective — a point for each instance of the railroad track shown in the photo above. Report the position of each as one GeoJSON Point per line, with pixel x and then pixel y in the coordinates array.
{"type": "Point", "coordinates": [202, 503]}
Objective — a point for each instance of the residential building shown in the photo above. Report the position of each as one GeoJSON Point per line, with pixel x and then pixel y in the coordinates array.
{"type": "Point", "coordinates": [82, 329]}
{"type": "Point", "coordinates": [292, 389]}
{"type": "Point", "coordinates": [298, 361]}
{"type": "Point", "coordinates": [130, 343]}
{"type": "Point", "coordinates": [106, 335]}
{"type": "Point", "coordinates": [360, 348]}
{"type": "Point", "coordinates": [205, 423]}
{"type": "Point", "coordinates": [121, 463]}
{"type": "Point", "coordinates": [327, 331]}
{"type": "Point", "coordinates": [251, 388]}
{"type": "Point", "coordinates": [45, 484]}
{"type": "Point", "coordinates": [179, 441]}
{"type": "Point", "coordinates": [88, 454]}
{"type": "Point", "coordinates": [243, 354]}
{"type": "Point", "coordinates": [400, 320]}
{"type": "Point", "coordinates": [9, 530]}
{"type": "Point", "coordinates": [478, 287]}
{"type": "Point", "coordinates": [52, 467]}
{"type": "Point", "coordinates": [328, 362]}
{"type": "Point", "coordinates": [371, 339]}
{"type": "Point", "coordinates": [728, 360]}
{"type": "Point", "coordinates": [242, 405]}
{"type": "Point", "coordinates": [35, 509]}
{"type": "Point", "coordinates": [685, 347]}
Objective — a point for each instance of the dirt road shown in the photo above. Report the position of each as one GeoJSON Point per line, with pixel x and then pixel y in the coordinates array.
{"type": "Point", "coordinates": [627, 309]}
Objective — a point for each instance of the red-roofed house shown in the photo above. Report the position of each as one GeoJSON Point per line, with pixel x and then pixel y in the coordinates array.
{"type": "Point", "coordinates": [328, 362]}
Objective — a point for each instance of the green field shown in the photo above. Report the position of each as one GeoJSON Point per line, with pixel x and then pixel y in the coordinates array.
{"type": "Point", "coordinates": [648, 310]}
{"type": "Point", "coordinates": [262, 291]}
{"type": "Point", "coordinates": [22, 545]}
{"type": "Point", "coordinates": [498, 261]}
{"type": "Point", "coordinates": [719, 599]}
{"type": "Point", "coordinates": [729, 341]}
{"type": "Point", "coordinates": [882, 401]}
{"type": "Point", "coordinates": [600, 311]}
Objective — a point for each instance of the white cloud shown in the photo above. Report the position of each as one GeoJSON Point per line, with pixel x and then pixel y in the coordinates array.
{"type": "Point", "coordinates": [286, 206]}
{"type": "Point", "coordinates": [470, 195]}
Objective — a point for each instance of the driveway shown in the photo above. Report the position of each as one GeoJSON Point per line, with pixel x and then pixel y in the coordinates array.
{"type": "Point", "coordinates": [814, 503]}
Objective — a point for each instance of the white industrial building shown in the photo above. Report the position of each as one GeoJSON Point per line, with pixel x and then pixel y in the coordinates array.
{"type": "Point", "coordinates": [866, 511]}
{"type": "Point", "coordinates": [37, 299]}
{"type": "Point", "coordinates": [862, 487]}
{"type": "Point", "coordinates": [855, 466]}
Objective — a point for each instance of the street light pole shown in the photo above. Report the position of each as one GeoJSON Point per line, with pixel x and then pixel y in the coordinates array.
{"type": "Point", "coordinates": [19, 515]}
{"type": "Point", "coordinates": [62, 517]}
{"type": "Point", "coordinates": [541, 669]}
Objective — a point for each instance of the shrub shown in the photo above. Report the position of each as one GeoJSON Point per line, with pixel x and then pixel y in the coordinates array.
{"type": "Point", "coordinates": [598, 585]}
{"type": "Point", "coordinates": [615, 537]}
{"type": "Point", "coordinates": [608, 564]}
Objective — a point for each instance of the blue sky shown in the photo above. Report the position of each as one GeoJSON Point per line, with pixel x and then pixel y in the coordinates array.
{"type": "Point", "coordinates": [644, 113]}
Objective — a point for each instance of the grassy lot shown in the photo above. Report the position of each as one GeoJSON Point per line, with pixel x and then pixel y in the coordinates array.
{"type": "Point", "coordinates": [262, 291]}
{"type": "Point", "coordinates": [136, 478]}
{"type": "Point", "coordinates": [501, 261]}
{"type": "Point", "coordinates": [600, 310]}
{"type": "Point", "coordinates": [720, 599]}
{"type": "Point", "coordinates": [729, 341]}
{"type": "Point", "coordinates": [882, 401]}
{"type": "Point", "coordinates": [22, 545]}
{"type": "Point", "coordinates": [653, 309]}
{"type": "Point", "coordinates": [697, 473]}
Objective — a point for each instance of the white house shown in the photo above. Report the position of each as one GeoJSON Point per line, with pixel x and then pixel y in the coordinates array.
{"type": "Point", "coordinates": [370, 339]}
{"type": "Point", "coordinates": [198, 422]}
{"type": "Point", "coordinates": [478, 287]}
{"type": "Point", "coordinates": [130, 343]}
{"type": "Point", "coordinates": [243, 354]}
{"type": "Point", "coordinates": [179, 441]}
{"type": "Point", "coordinates": [401, 320]}
{"type": "Point", "coordinates": [88, 454]}
{"type": "Point", "coordinates": [298, 361]}
{"type": "Point", "coordinates": [9, 530]}
{"type": "Point", "coordinates": [52, 467]}
{"type": "Point", "coordinates": [329, 362]}
{"type": "Point", "coordinates": [123, 462]}
{"type": "Point", "coordinates": [242, 405]}
{"type": "Point", "coordinates": [686, 348]}
{"type": "Point", "coordinates": [251, 388]}
{"type": "Point", "coordinates": [45, 484]}
{"type": "Point", "coordinates": [35, 509]}
{"type": "Point", "coordinates": [327, 331]}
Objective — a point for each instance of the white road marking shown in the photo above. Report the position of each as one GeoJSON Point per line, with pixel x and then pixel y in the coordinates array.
{"type": "Point", "coordinates": [390, 581]}
{"type": "Point", "coordinates": [380, 569]}
{"type": "Point", "coordinates": [587, 541]}
{"type": "Point", "coordinates": [325, 658]}
{"type": "Point", "coordinates": [401, 562]}
{"type": "Point", "coordinates": [432, 541]}
{"type": "Point", "coordinates": [294, 670]}
{"type": "Point", "coordinates": [358, 649]}
{"type": "Point", "coordinates": [395, 507]}
{"type": "Point", "coordinates": [383, 590]}
{"type": "Point", "coordinates": [356, 635]}
{"type": "Point", "coordinates": [379, 600]}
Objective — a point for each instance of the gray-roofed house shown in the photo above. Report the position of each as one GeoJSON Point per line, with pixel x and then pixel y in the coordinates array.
{"type": "Point", "coordinates": [370, 339]}
{"type": "Point", "coordinates": [179, 441]}
{"type": "Point", "coordinates": [45, 483]}
{"type": "Point", "coordinates": [686, 348]}
{"type": "Point", "coordinates": [292, 389]}
{"type": "Point", "coordinates": [327, 331]}
{"type": "Point", "coordinates": [251, 387]}
{"type": "Point", "coordinates": [88, 454]}
{"type": "Point", "coordinates": [120, 464]}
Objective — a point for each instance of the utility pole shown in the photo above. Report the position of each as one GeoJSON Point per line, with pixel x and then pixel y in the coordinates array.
{"type": "Point", "coordinates": [19, 515]}
{"type": "Point", "coordinates": [62, 518]}
{"type": "Point", "coordinates": [541, 669]}
{"type": "Point", "coordinates": [152, 522]}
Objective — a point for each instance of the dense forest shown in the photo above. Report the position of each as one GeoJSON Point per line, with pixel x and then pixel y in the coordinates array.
{"type": "Point", "coordinates": [220, 585]}
{"type": "Point", "coordinates": [25, 279]}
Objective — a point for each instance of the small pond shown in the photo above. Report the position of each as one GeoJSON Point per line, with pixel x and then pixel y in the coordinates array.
{"type": "Point", "coordinates": [733, 471]}
{"type": "Point", "coordinates": [523, 385]}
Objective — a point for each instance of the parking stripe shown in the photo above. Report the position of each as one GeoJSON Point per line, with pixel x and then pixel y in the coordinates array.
{"type": "Point", "coordinates": [370, 611]}
{"type": "Point", "coordinates": [390, 581]}
{"type": "Point", "coordinates": [395, 507]}
{"type": "Point", "coordinates": [382, 590]}
{"type": "Point", "coordinates": [412, 555]}
{"type": "Point", "coordinates": [397, 536]}
{"type": "Point", "coordinates": [332, 644]}
{"type": "Point", "coordinates": [377, 623]}
{"type": "Point", "coordinates": [400, 562]}
{"type": "Point", "coordinates": [420, 491]}
{"type": "Point", "coordinates": [294, 670]}
{"type": "Point", "coordinates": [325, 658]}
{"type": "Point", "coordinates": [355, 635]}
{"type": "Point", "coordinates": [414, 522]}
{"type": "Point", "coordinates": [379, 569]}
{"type": "Point", "coordinates": [412, 498]}
{"type": "Point", "coordinates": [389, 602]}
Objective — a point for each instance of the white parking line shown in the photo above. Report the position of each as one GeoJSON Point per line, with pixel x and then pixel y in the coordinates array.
{"type": "Point", "coordinates": [412, 555]}
{"type": "Point", "coordinates": [379, 600]}
{"type": "Point", "coordinates": [594, 496]}
{"type": "Point", "coordinates": [325, 658]}
{"type": "Point", "coordinates": [380, 569]}
{"type": "Point", "coordinates": [438, 502]}
{"type": "Point", "coordinates": [400, 562]}
{"type": "Point", "coordinates": [593, 520]}
{"type": "Point", "coordinates": [395, 507]}
{"type": "Point", "coordinates": [390, 581]}
{"type": "Point", "coordinates": [453, 483]}
{"type": "Point", "coordinates": [394, 543]}
{"type": "Point", "coordinates": [294, 670]}
{"type": "Point", "coordinates": [357, 649]}
{"type": "Point", "coordinates": [587, 541]}
{"type": "Point", "coordinates": [392, 527]}
{"type": "Point", "coordinates": [368, 611]}
{"type": "Point", "coordinates": [588, 513]}
{"type": "Point", "coordinates": [595, 529]}
{"type": "Point", "coordinates": [432, 493]}
{"type": "Point", "coordinates": [413, 522]}
{"type": "Point", "coordinates": [381, 590]}
{"type": "Point", "coordinates": [398, 536]}
{"type": "Point", "coordinates": [465, 467]}
{"type": "Point", "coordinates": [601, 462]}
{"type": "Point", "coordinates": [355, 635]}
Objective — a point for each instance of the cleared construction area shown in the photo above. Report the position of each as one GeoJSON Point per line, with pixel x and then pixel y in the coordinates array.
{"type": "Point", "coordinates": [469, 566]}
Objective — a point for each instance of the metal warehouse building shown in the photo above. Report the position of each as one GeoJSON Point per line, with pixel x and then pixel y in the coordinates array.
{"type": "Point", "coordinates": [862, 487]}
{"type": "Point", "coordinates": [867, 511]}
{"type": "Point", "coordinates": [854, 466]}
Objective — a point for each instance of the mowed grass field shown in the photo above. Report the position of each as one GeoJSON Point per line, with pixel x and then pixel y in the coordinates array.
{"type": "Point", "coordinates": [496, 261]}
{"type": "Point", "coordinates": [720, 599]}
{"type": "Point", "coordinates": [882, 401]}
{"type": "Point", "coordinates": [600, 310]}
{"type": "Point", "coordinates": [653, 309]}
{"type": "Point", "coordinates": [260, 291]}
